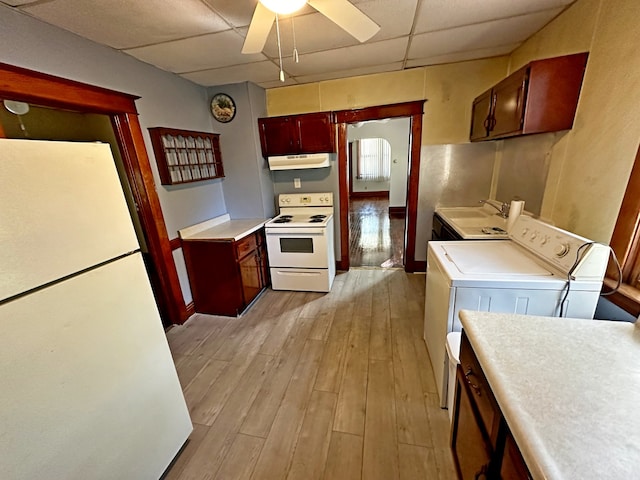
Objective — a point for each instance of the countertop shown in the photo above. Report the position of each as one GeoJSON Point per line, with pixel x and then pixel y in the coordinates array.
{"type": "Point", "coordinates": [569, 390]}
{"type": "Point", "coordinates": [222, 228]}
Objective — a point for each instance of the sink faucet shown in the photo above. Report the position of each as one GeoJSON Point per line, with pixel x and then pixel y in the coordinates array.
{"type": "Point", "coordinates": [503, 210]}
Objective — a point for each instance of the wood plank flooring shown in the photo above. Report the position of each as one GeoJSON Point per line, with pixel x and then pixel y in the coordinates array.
{"type": "Point", "coordinates": [314, 386]}
{"type": "Point", "coordinates": [376, 239]}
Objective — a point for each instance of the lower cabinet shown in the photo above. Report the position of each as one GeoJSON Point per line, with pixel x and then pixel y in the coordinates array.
{"type": "Point", "coordinates": [226, 276]}
{"type": "Point", "coordinates": [441, 230]}
{"type": "Point", "coordinates": [483, 447]}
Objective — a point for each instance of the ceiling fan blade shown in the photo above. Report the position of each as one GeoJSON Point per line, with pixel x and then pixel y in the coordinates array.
{"type": "Point", "coordinates": [348, 17]}
{"type": "Point", "coordinates": [259, 29]}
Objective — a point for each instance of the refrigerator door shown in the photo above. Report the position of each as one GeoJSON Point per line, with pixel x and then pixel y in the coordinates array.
{"type": "Point", "coordinates": [63, 210]}
{"type": "Point", "coordinates": [89, 387]}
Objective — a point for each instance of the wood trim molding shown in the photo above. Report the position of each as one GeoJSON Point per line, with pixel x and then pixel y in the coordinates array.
{"type": "Point", "coordinates": [398, 211]}
{"type": "Point", "coordinates": [381, 193]}
{"type": "Point", "coordinates": [343, 189]}
{"type": "Point", "coordinates": [44, 89]}
{"type": "Point", "coordinates": [405, 109]}
{"type": "Point", "coordinates": [191, 309]}
{"type": "Point", "coordinates": [412, 192]}
{"type": "Point", "coordinates": [175, 243]}
{"type": "Point", "coordinates": [414, 110]}
{"type": "Point", "coordinates": [136, 161]}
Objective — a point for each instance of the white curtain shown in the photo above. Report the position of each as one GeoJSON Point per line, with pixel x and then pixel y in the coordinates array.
{"type": "Point", "coordinates": [374, 160]}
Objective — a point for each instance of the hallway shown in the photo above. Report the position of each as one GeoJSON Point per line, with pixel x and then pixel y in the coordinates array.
{"type": "Point", "coordinates": [376, 238]}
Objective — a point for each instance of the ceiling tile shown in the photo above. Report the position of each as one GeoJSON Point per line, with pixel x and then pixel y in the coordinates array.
{"type": "Point", "coordinates": [483, 35]}
{"type": "Point", "coordinates": [358, 56]}
{"type": "Point", "coordinates": [236, 12]}
{"type": "Point", "coordinates": [313, 33]}
{"type": "Point", "coordinates": [440, 14]}
{"type": "Point", "coordinates": [130, 23]}
{"type": "Point", "coordinates": [395, 17]}
{"type": "Point", "coordinates": [197, 53]}
{"type": "Point", "coordinates": [254, 72]}
{"type": "Point", "coordinates": [463, 56]}
{"type": "Point", "coordinates": [389, 67]}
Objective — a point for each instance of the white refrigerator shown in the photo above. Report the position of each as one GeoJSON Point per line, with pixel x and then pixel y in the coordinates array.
{"type": "Point", "coordinates": [88, 388]}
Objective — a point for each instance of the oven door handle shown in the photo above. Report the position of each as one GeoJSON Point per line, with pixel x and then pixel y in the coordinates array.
{"type": "Point", "coordinates": [299, 231]}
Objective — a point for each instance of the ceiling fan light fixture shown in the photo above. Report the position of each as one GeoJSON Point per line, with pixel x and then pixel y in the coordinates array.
{"type": "Point", "coordinates": [283, 7]}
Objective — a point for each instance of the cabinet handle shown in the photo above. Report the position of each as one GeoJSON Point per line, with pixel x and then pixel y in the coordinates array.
{"type": "Point", "coordinates": [476, 388]}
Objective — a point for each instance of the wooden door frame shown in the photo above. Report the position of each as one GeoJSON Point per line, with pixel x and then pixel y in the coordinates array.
{"type": "Point", "coordinates": [413, 110]}
{"type": "Point", "coordinates": [25, 85]}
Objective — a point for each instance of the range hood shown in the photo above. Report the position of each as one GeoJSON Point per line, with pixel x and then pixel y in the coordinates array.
{"type": "Point", "coordinates": [294, 162]}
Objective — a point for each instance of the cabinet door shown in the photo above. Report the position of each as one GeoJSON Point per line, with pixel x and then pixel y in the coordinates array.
{"type": "Point", "coordinates": [481, 116]}
{"type": "Point", "coordinates": [251, 277]}
{"type": "Point", "coordinates": [508, 104]}
{"type": "Point", "coordinates": [277, 136]}
{"type": "Point", "coordinates": [513, 465]}
{"type": "Point", "coordinates": [315, 132]}
{"type": "Point", "coordinates": [471, 450]}
{"type": "Point", "coordinates": [264, 266]}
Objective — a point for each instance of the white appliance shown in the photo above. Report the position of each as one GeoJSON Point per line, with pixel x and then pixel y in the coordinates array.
{"type": "Point", "coordinates": [300, 243]}
{"type": "Point", "coordinates": [296, 162]}
{"type": "Point", "coordinates": [89, 389]}
{"type": "Point", "coordinates": [526, 274]}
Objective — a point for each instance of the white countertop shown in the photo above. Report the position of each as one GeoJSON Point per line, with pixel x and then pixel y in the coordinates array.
{"type": "Point", "coordinates": [222, 228]}
{"type": "Point", "coordinates": [569, 390]}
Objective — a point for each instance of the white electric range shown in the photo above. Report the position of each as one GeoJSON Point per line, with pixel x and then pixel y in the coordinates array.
{"type": "Point", "coordinates": [541, 270]}
{"type": "Point", "coordinates": [300, 243]}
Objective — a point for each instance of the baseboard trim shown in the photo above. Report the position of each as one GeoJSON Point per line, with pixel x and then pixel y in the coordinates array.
{"type": "Point", "coordinates": [382, 193]}
{"type": "Point", "coordinates": [398, 211]}
{"type": "Point", "coordinates": [191, 309]}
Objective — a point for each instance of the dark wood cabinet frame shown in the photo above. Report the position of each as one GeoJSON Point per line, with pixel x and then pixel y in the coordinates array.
{"type": "Point", "coordinates": [25, 85]}
{"type": "Point", "coordinates": [413, 110]}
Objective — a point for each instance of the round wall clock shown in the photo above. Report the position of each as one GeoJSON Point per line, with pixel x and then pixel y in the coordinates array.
{"type": "Point", "coordinates": [223, 108]}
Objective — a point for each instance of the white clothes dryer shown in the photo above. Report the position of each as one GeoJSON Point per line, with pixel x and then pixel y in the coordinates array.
{"type": "Point", "coordinates": [540, 270]}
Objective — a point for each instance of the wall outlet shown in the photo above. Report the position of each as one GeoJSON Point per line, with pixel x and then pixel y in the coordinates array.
{"type": "Point", "coordinates": [296, 183]}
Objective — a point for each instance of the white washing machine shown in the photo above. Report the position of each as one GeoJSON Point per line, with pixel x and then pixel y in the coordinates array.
{"type": "Point", "coordinates": [527, 274]}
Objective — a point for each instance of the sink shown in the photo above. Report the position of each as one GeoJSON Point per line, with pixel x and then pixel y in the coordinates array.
{"type": "Point", "coordinates": [475, 222]}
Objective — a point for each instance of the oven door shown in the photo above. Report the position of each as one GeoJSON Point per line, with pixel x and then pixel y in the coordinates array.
{"type": "Point", "coordinates": [304, 247]}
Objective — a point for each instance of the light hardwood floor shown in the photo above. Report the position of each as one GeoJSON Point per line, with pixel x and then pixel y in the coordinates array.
{"type": "Point", "coordinates": [314, 386]}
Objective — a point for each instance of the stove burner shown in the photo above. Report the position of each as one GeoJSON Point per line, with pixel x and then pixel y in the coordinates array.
{"type": "Point", "coordinates": [287, 217]}
{"type": "Point", "coordinates": [318, 216]}
{"type": "Point", "coordinates": [316, 219]}
{"type": "Point", "coordinates": [284, 219]}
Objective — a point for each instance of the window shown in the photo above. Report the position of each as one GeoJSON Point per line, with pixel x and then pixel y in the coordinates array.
{"type": "Point", "coordinates": [626, 243]}
{"type": "Point", "coordinates": [374, 160]}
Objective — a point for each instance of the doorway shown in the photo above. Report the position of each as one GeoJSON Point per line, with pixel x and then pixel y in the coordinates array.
{"type": "Point", "coordinates": [48, 91]}
{"type": "Point", "coordinates": [413, 111]}
{"type": "Point", "coordinates": [378, 155]}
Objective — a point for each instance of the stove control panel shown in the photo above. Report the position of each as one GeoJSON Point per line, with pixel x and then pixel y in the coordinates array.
{"type": "Point", "coordinates": [305, 199]}
{"type": "Point", "coordinates": [570, 253]}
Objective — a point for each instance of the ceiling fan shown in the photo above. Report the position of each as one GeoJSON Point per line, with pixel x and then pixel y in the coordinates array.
{"type": "Point", "coordinates": [341, 12]}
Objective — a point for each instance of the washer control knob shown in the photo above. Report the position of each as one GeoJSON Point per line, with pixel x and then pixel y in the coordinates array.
{"type": "Point", "coordinates": [561, 250]}
{"type": "Point", "coordinates": [287, 199]}
{"type": "Point", "coordinates": [544, 240]}
{"type": "Point", "coordinates": [534, 235]}
{"type": "Point", "coordinates": [525, 231]}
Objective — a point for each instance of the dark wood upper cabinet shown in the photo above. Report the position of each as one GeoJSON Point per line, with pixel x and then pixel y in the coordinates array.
{"type": "Point", "coordinates": [540, 97]}
{"type": "Point", "coordinates": [297, 134]}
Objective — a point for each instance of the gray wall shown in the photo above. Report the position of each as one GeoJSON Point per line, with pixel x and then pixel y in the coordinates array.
{"type": "Point", "coordinates": [248, 190]}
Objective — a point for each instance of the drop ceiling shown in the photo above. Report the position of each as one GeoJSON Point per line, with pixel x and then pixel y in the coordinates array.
{"type": "Point", "coordinates": [201, 40]}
